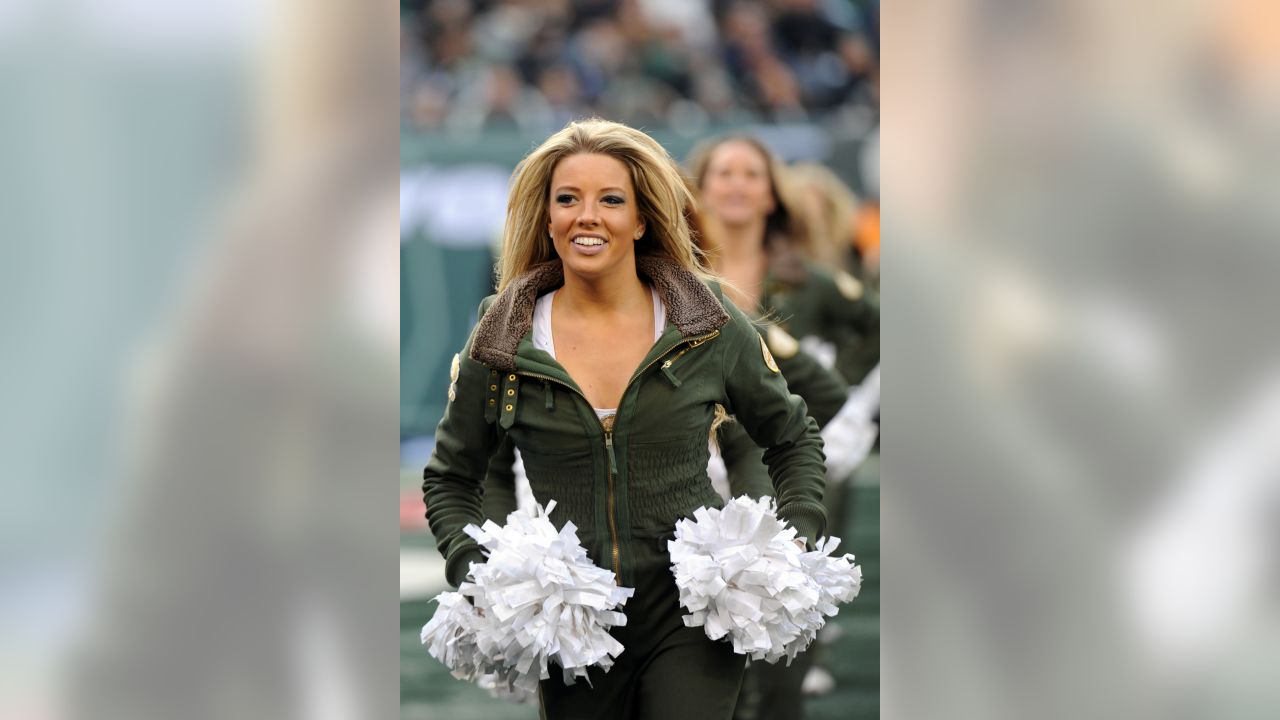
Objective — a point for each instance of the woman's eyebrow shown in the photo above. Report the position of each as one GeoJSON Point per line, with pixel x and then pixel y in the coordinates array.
{"type": "Point", "coordinates": [574, 188]}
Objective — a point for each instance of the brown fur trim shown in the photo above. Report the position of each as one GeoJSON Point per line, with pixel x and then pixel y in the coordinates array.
{"type": "Point", "coordinates": [690, 304]}
{"type": "Point", "coordinates": [510, 317]}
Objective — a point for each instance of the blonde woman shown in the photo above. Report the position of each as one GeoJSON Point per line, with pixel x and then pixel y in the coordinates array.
{"type": "Point", "coordinates": [603, 358]}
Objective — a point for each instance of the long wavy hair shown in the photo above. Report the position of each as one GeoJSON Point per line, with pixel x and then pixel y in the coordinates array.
{"type": "Point", "coordinates": [664, 200]}
{"type": "Point", "coordinates": [836, 206]}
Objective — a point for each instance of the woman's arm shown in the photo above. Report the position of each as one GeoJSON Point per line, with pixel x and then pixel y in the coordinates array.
{"type": "Point", "coordinates": [743, 462]}
{"type": "Point", "coordinates": [852, 312]}
{"type": "Point", "coordinates": [451, 482]}
{"type": "Point", "coordinates": [500, 484]}
{"type": "Point", "coordinates": [824, 391]}
{"type": "Point", "coordinates": [777, 421]}
{"type": "Point", "coordinates": [848, 302]}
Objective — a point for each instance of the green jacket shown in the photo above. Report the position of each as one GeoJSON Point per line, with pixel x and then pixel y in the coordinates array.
{"type": "Point", "coordinates": [805, 299]}
{"type": "Point", "coordinates": [823, 391]}
{"type": "Point", "coordinates": [624, 486]}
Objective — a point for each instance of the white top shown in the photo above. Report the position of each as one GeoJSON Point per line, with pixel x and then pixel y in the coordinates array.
{"type": "Point", "coordinates": [542, 330]}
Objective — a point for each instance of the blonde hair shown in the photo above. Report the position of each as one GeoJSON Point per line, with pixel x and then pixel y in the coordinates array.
{"type": "Point", "coordinates": [787, 222]}
{"type": "Point", "coordinates": [837, 207]}
{"type": "Point", "coordinates": [664, 201]}
{"type": "Point", "coordinates": [721, 417]}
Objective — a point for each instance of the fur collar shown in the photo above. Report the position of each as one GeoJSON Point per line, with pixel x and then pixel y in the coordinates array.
{"type": "Point", "coordinates": [691, 306]}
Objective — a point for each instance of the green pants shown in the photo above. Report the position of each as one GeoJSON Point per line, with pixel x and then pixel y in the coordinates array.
{"type": "Point", "coordinates": [667, 671]}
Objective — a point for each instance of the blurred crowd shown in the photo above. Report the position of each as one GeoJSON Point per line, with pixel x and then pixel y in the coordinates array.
{"type": "Point", "coordinates": [533, 65]}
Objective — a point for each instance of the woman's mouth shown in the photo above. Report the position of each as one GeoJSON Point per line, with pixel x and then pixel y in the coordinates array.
{"type": "Point", "coordinates": [589, 244]}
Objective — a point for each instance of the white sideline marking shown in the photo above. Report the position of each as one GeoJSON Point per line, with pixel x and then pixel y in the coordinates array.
{"type": "Point", "coordinates": [421, 574]}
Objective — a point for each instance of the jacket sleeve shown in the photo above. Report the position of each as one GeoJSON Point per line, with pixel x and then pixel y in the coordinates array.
{"type": "Point", "coordinates": [500, 484]}
{"type": "Point", "coordinates": [777, 421]}
{"type": "Point", "coordinates": [824, 391]}
{"type": "Point", "coordinates": [860, 314]}
{"type": "Point", "coordinates": [451, 482]}
{"type": "Point", "coordinates": [853, 322]}
{"type": "Point", "coordinates": [743, 462]}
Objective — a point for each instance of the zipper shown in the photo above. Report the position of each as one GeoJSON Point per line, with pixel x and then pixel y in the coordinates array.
{"type": "Point", "coordinates": [607, 424]}
{"type": "Point", "coordinates": [666, 365]}
{"type": "Point", "coordinates": [690, 344]}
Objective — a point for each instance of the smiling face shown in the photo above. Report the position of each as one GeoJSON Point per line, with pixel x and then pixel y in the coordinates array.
{"type": "Point", "coordinates": [594, 215]}
{"type": "Point", "coordinates": [736, 186]}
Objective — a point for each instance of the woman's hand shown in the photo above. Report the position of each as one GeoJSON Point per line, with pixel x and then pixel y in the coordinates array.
{"type": "Point", "coordinates": [800, 543]}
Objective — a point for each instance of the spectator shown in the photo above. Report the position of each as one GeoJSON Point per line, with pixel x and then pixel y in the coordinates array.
{"type": "Point", "coordinates": [532, 64]}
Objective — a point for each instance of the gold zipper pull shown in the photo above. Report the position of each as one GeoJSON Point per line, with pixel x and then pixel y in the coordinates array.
{"type": "Point", "coordinates": [608, 446]}
{"type": "Point", "coordinates": [671, 376]}
{"type": "Point", "coordinates": [607, 422]}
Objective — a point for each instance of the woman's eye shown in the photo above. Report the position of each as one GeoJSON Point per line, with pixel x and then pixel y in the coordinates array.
{"type": "Point", "coordinates": [613, 200]}
{"type": "Point", "coordinates": [564, 199]}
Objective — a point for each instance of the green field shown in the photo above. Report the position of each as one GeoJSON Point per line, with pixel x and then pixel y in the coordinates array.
{"type": "Point", "coordinates": [427, 692]}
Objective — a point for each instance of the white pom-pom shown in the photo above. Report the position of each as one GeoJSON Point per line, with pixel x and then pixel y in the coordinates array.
{"type": "Point", "coordinates": [450, 636]}
{"type": "Point", "coordinates": [740, 574]}
{"type": "Point", "coordinates": [838, 579]}
{"type": "Point", "coordinates": [538, 599]}
{"type": "Point", "coordinates": [501, 689]}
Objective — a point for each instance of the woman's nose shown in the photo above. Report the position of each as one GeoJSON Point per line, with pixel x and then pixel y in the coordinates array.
{"type": "Point", "coordinates": [588, 214]}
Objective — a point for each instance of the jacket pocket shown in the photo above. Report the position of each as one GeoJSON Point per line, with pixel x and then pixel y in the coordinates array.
{"type": "Point", "coordinates": [668, 366]}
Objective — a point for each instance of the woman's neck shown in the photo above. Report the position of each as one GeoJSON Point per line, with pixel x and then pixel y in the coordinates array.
{"type": "Point", "coordinates": [742, 262]}
{"type": "Point", "coordinates": [619, 293]}
{"type": "Point", "coordinates": [742, 244]}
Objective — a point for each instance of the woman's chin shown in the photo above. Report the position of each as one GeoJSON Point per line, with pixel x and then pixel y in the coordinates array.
{"type": "Point", "coordinates": [590, 266]}
{"type": "Point", "coordinates": [735, 220]}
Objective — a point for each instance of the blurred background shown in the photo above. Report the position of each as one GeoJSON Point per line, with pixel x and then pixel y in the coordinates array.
{"type": "Point", "coordinates": [202, 386]}
{"type": "Point", "coordinates": [482, 84]}
{"type": "Point", "coordinates": [1081, 404]}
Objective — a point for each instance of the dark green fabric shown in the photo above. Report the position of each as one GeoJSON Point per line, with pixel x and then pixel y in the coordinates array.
{"type": "Point", "coordinates": [500, 484]}
{"type": "Point", "coordinates": [815, 306]}
{"type": "Point", "coordinates": [659, 449]}
{"type": "Point", "coordinates": [822, 390]}
{"type": "Point", "coordinates": [824, 393]}
{"type": "Point", "coordinates": [667, 672]}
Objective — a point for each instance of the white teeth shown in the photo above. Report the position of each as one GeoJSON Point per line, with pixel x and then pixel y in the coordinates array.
{"type": "Point", "coordinates": [588, 241]}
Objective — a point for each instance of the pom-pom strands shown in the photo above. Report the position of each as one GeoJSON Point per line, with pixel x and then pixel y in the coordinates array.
{"type": "Point", "coordinates": [450, 636]}
{"type": "Point", "coordinates": [502, 690]}
{"type": "Point", "coordinates": [741, 575]}
{"type": "Point", "coordinates": [537, 599]}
